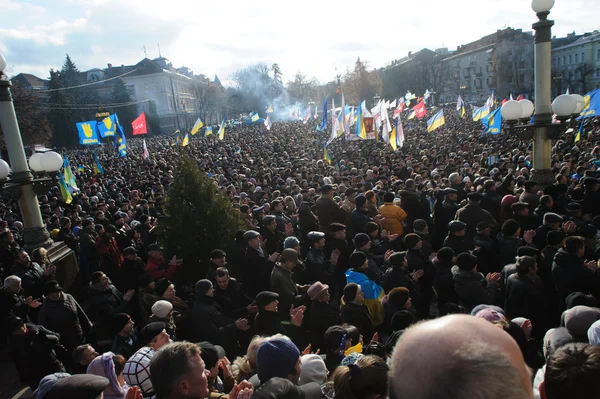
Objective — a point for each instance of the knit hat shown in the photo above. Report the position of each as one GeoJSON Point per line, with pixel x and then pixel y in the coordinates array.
{"type": "Point", "coordinates": [510, 227]}
{"type": "Point", "coordinates": [554, 339]}
{"type": "Point", "coordinates": [411, 240]}
{"type": "Point", "coordinates": [579, 319]}
{"type": "Point", "coordinates": [478, 308]}
{"type": "Point", "coordinates": [445, 254]}
{"type": "Point", "coordinates": [150, 331]}
{"type": "Point", "coordinates": [276, 358]}
{"type": "Point", "coordinates": [465, 261]}
{"type": "Point", "coordinates": [313, 369]}
{"type": "Point", "coordinates": [490, 315]}
{"type": "Point", "coordinates": [555, 237]}
{"type": "Point", "coordinates": [202, 287]}
{"type": "Point", "coordinates": [371, 227]}
{"type": "Point", "coordinates": [51, 287]}
{"type": "Point", "coordinates": [397, 259]}
{"type": "Point", "coordinates": [352, 358]}
{"type": "Point", "coordinates": [161, 309]}
{"type": "Point", "coordinates": [360, 200]}
{"type": "Point", "coordinates": [550, 218]}
{"type": "Point", "coordinates": [402, 320]}
{"type": "Point", "coordinates": [12, 323]}
{"type": "Point", "coordinates": [360, 240]}
{"type": "Point", "coordinates": [357, 259]}
{"type": "Point", "coordinates": [579, 298]}
{"type": "Point", "coordinates": [161, 286]}
{"type": "Point", "coordinates": [398, 297]}
{"type": "Point", "coordinates": [119, 321]}
{"type": "Point", "coordinates": [211, 354]}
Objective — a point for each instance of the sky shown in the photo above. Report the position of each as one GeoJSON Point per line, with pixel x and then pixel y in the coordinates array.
{"type": "Point", "coordinates": [318, 38]}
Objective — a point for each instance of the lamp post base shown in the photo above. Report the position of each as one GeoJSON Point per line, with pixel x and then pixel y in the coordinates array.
{"type": "Point", "coordinates": [36, 237]}
{"type": "Point", "coordinates": [543, 177]}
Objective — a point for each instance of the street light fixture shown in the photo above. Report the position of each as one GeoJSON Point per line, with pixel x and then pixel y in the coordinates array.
{"type": "Point", "coordinates": [565, 106]}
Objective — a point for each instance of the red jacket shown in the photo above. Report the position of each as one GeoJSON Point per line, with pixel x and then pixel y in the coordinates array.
{"type": "Point", "coordinates": [160, 269]}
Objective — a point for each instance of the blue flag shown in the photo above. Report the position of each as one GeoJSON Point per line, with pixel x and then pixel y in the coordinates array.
{"type": "Point", "coordinates": [591, 104]}
{"type": "Point", "coordinates": [324, 120]}
{"type": "Point", "coordinates": [107, 126]}
{"type": "Point", "coordinates": [492, 123]}
{"type": "Point", "coordinates": [88, 134]}
{"type": "Point", "coordinates": [120, 142]}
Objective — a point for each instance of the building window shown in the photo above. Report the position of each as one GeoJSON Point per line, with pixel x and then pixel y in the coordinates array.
{"type": "Point", "coordinates": [565, 60]}
{"type": "Point", "coordinates": [558, 61]}
{"type": "Point", "coordinates": [576, 58]}
{"type": "Point", "coordinates": [582, 57]}
{"type": "Point", "coordinates": [570, 59]}
{"type": "Point", "coordinates": [522, 78]}
{"type": "Point", "coordinates": [597, 75]}
{"type": "Point", "coordinates": [598, 54]}
{"type": "Point", "coordinates": [522, 64]}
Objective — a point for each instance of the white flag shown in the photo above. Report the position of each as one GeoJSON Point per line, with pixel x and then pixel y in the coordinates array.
{"type": "Point", "coordinates": [268, 122]}
{"type": "Point", "coordinates": [145, 153]}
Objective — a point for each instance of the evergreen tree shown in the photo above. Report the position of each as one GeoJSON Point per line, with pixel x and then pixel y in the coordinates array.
{"type": "Point", "coordinates": [199, 219]}
{"type": "Point", "coordinates": [120, 95]}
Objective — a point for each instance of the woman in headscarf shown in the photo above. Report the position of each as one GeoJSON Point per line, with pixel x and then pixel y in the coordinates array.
{"type": "Point", "coordinates": [110, 366]}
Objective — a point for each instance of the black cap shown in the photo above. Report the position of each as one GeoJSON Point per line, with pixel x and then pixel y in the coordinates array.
{"type": "Point", "coordinates": [315, 235]}
{"type": "Point", "coordinates": [361, 239]}
{"type": "Point", "coordinates": [266, 297]}
{"type": "Point", "coordinates": [449, 191]}
{"type": "Point", "coordinates": [476, 197]}
{"type": "Point", "coordinates": [80, 386]}
{"type": "Point", "coordinates": [12, 323]}
{"type": "Point", "coordinates": [465, 261]}
{"type": "Point", "coordinates": [250, 234]}
{"type": "Point", "coordinates": [519, 206]}
{"type": "Point", "coordinates": [217, 254]}
{"type": "Point", "coordinates": [573, 207]}
{"type": "Point", "coordinates": [155, 247]}
{"type": "Point", "coordinates": [268, 219]}
{"type": "Point", "coordinates": [456, 225]}
{"type": "Point", "coordinates": [483, 225]}
{"type": "Point", "coordinates": [550, 218]}
{"type": "Point", "coordinates": [52, 286]}
{"type": "Point", "coordinates": [129, 251]}
{"type": "Point", "coordinates": [357, 259]}
{"type": "Point", "coordinates": [150, 331]}
{"type": "Point", "coordinates": [333, 227]}
{"type": "Point", "coordinates": [118, 322]}
{"type": "Point", "coordinates": [326, 188]}
{"type": "Point", "coordinates": [211, 354]}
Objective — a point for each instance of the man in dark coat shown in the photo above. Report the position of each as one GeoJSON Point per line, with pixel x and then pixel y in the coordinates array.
{"type": "Point", "coordinates": [552, 222]}
{"type": "Point", "coordinates": [283, 283]}
{"type": "Point", "coordinates": [126, 342]}
{"type": "Point", "coordinates": [327, 210]}
{"type": "Point", "coordinates": [360, 215]}
{"type": "Point", "coordinates": [336, 245]}
{"type": "Point", "coordinates": [449, 206]}
{"type": "Point", "coordinates": [33, 277]}
{"type": "Point", "coordinates": [397, 275]}
{"type": "Point", "coordinates": [61, 313]}
{"type": "Point", "coordinates": [571, 273]}
{"type": "Point", "coordinates": [104, 299]}
{"type": "Point", "coordinates": [522, 214]}
{"type": "Point", "coordinates": [268, 320]}
{"type": "Point", "coordinates": [271, 235]}
{"type": "Point", "coordinates": [491, 201]}
{"type": "Point", "coordinates": [318, 267]}
{"type": "Point", "coordinates": [471, 286]}
{"type": "Point", "coordinates": [591, 198]}
{"type": "Point", "coordinates": [486, 249]}
{"type": "Point", "coordinates": [229, 295]}
{"type": "Point", "coordinates": [322, 314]}
{"type": "Point", "coordinates": [443, 281]}
{"type": "Point", "coordinates": [529, 196]}
{"type": "Point", "coordinates": [415, 206]}
{"type": "Point", "coordinates": [256, 273]}
{"type": "Point", "coordinates": [457, 238]}
{"type": "Point", "coordinates": [418, 261]}
{"type": "Point", "coordinates": [13, 302]}
{"type": "Point", "coordinates": [472, 213]}
{"type": "Point", "coordinates": [210, 324]}
{"type": "Point", "coordinates": [89, 257]}
{"type": "Point", "coordinates": [524, 296]}
{"type": "Point", "coordinates": [131, 270]}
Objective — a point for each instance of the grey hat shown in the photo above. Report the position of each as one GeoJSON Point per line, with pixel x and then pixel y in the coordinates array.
{"type": "Point", "coordinates": [250, 234]}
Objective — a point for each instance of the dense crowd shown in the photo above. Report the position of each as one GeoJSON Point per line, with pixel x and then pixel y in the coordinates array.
{"type": "Point", "coordinates": [437, 270]}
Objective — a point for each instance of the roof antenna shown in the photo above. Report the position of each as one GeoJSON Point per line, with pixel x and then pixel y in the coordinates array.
{"type": "Point", "coordinates": [144, 49]}
{"type": "Point", "coordinates": [159, 54]}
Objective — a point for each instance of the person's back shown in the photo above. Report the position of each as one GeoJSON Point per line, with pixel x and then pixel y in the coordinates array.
{"type": "Point", "coordinates": [572, 372]}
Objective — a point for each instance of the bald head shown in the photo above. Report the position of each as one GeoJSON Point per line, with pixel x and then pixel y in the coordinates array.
{"type": "Point", "coordinates": [458, 356]}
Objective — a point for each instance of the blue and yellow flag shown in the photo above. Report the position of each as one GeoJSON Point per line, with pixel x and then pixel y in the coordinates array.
{"type": "Point", "coordinates": [208, 131]}
{"type": "Point", "coordinates": [186, 140]}
{"type": "Point", "coordinates": [69, 176]}
{"type": "Point", "coordinates": [64, 190]}
{"type": "Point", "coordinates": [98, 169]}
{"type": "Point", "coordinates": [360, 122]}
{"type": "Point", "coordinates": [88, 134]}
{"type": "Point", "coordinates": [269, 109]}
{"type": "Point", "coordinates": [411, 115]}
{"type": "Point", "coordinates": [492, 122]}
{"type": "Point", "coordinates": [107, 127]}
{"type": "Point", "coordinates": [323, 125]}
{"type": "Point", "coordinates": [222, 130]}
{"type": "Point", "coordinates": [119, 139]}
{"type": "Point", "coordinates": [255, 117]}
{"type": "Point", "coordinates": [591, 104]}
{"type": "Point", "coordinates": [326, 157]}
{"type": "Point", "coordinates": [480, 113]}
{"type": "Point", "coordinates": [197, 126]}
{"type": "Point", "coordinates": [436, 121]}
{"type": "Point", "coordinates": [80, 169]}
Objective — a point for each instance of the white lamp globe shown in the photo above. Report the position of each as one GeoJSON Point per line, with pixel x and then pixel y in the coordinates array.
{"type": "Point", "coordinates": [4, 169]}
{"type": "Point", "coordinates": [511, 110]}
{"type": "Point", "coordinates": [542, 5]}
{"type": "Point", "coordinates": [52, 161]}
{"type": "Point", "coordinates": [580, 102]}
{"type": "Point", "coordinates": [2, 63]}
{"type": "Point", "coordinates": [35, 162]}
{"type": "Point", "coordinates": [527, 110]}
{"type": "Point", "coordinates": [564, 105]}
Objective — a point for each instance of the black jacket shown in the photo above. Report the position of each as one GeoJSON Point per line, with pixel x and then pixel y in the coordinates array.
{"type": "Point", "coordinates": [210, 324]}
{"type": "Point", "coordinates": [256, 274]}
{"type": "Point", "coordinates": [269, 323]}
{"type": "Point", "coordinates": [444, 283]}
{"type": "Point", "coordinates": [508, 246]}
{"type": "Point", "coordinates": [570, 275]}
{"type": "Point", "coordinates": [67, 318]}
{"type": "Point", "coordinates": [233, 300]}
{"type": "Point", "coordinates": [318, 267]}
{"type": "Point", "coordinates": [524, 297]}
{"type": "Point", "coordinates": [472, 289]}
{"type": "Point", "coordinates": [101, 306]}
{"type": "Point", "coordinates": [487, 254]}
{"type": "Point", "coordinates": [459, 244]}
{"type": "Point", "coordinates": [129, 273]}
{"type": "Point", "coordinates": [322, 316]}
{"type": "Point", "coordinates": [359, 317]}
{"type": "Point", "coordinates": [32, 279]}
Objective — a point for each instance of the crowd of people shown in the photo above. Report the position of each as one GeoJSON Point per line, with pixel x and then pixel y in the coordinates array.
{"type": "Point", "coordinates": [437, 270]}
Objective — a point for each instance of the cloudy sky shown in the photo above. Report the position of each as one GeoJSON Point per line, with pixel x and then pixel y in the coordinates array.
{"type": "Point", "coordinates": [219, 37]}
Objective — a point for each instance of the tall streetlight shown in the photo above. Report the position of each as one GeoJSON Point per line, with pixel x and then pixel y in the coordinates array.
{"type": "Point", "coordinates": [22, 185]}
{"type": "Point", "coordinates": [564, 106]}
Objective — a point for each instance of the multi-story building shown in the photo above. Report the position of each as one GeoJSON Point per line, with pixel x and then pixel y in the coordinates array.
{"type": "Point", "coordinates": [576, 65]}
{"type": "Point", "coordinates": [501, 62]}
{"type": "Point", "coordinates": [32, 83]}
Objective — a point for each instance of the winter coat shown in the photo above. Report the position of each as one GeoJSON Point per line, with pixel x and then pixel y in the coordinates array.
{"type": "Point", "coordinates": [570, 275]}
{"type": "Point", "coordinates": [524, 297]}
{"type": "Point", "coordinates": [472, 215]}
{"type": "Point", "coordinates": [472, 289]}
{"type": "Point", "coordinates": [210, 324]}
{"type": "Point", "coordinates": [398, 277]}
{"type": "Point", "coordinates": [129, 274]}
{"type": "Point", "coordinates": [101, 306]}
{"type": "Point", "coordinates": [444, 283]}
{"type": "Point", "coordinates": [89, 256]}
{"type": "Point", "coordinates": [359, 317]}
{"type": "Point", "coordinates": [507, 247]}
{"type": "Point", "coordinates": [360, 218]}
{"type": "Point", "coordinates": [67, 318]}
{"type": "Point", "coordinates": [329, 212]}
{"type": "Point", "coordinates": [415, 208]}
{"type": "Point", "coordinates": [394, 218]}
{"type": "Point", "coordinates": [32, 279]}
{"type": "Point", "coordinates": [282, 282]}
{"type": "Point", "coordinates": [487, 254]}
{"type": "Point", "coordinates": [318, 267]}
{"type": "Point", "coordinates": [256, 273]}
{"type": "Point", "coordinates": [12, 304]}
{"type": "Point", "coordinates": [233, 300]}
{"type": "Point", "coordinates": [492, 202]}
{"type": "Point", "coordinates": [268, 323]}
{"type": "Point", "coordinates": [126, 346]}
{"type": "Point", "coordinates": [110, 256]}
{"type": "Point", "coordinates": [459, 244]}
{"type": "Point", "coordinates": [322, 316]}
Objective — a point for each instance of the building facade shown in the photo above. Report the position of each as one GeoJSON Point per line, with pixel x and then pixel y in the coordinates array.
{"type": "Point", "coordinates": [576, 66]}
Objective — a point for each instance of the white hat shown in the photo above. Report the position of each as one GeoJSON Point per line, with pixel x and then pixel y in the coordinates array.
{"type": "Point", "coordinates": [161, 309]}
{"type": "Point", "coordinates": [313, 369]}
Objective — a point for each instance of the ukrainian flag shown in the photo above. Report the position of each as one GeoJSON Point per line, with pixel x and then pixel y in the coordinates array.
{"type": "Point", "coordinates": [69, 176]}
{"type": "Point", "coordinates": [222, 130]}
{"type": "Point", "coordinates": [394, 136]}
{"type": "Point", "coordinates": [270, 108]}
{"type": "Point", "coordinates": [326, 157]}
{"type": "Point", "coordinates": [411, 115]}
{"type": "Point", "coordinates": [186, 140]}
{"type": "Point", "coordinates": [197, 126]}
{"type": "Point", "coordinates": [98, 170]}
{"type": "Point", "coordinates": [64, 190]}
{"type": "Point", "coordinates": [480, 113]}
{"type": "Point", "coordinates": [360, 123]}
{"type": "Point", "coordinates": [436, 121]}
{"type": "Point", "coordinates": [208, 131]}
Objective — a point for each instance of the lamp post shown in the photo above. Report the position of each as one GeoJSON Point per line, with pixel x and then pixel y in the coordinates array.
{"type": "Point", "coordinates": [565, 106]}
{"type": "Point", "coordinates": [21, 183]}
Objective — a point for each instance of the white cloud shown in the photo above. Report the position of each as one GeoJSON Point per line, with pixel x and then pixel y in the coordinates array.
{"type": "Point", "coordinates": [312, 36]}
